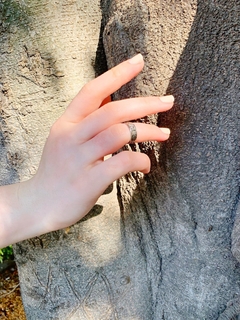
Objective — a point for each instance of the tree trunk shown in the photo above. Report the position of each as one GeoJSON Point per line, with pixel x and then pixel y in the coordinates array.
{"type": "Point", "coordinates": [47, 54]}
{"type": "Point", "coordinates": [180, 217]}
{"type": "Point", "coordinates": [167, 254]}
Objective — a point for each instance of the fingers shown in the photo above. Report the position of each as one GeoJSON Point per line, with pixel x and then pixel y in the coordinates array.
{"type": "Point", "coordinates": [93, 93]}
{"type": "Point", "coordinates": [116, 136]}
{"type": "Point", "coordinates": [119, 165]}
{"type": "Point", "coordinates": [120, 111]}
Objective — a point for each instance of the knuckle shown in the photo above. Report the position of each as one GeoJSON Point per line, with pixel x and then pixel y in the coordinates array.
{"type": "Point", "coordinates": [120, 130]}
{"type": "Point", "coordinates": [150, 103]}
{"type": "Point", "coordinates": [87, 89]}
{"type": "Point", "coordinates": [60, 135]}
{"type": "Point", "coordinates": [127, 160]}
{"type": "Point", "coordinates": [55, 129]}
{"type": "Point", "coordinates": [116, 72]}
{"type": "Point", "coordinates": [106, 110]}
{"type": "Point", "coordinates": [146, 101]}
{"type": "Point", "coordinates": [111, 111]}
{"type": "Point", "coordinates": [117, 132]}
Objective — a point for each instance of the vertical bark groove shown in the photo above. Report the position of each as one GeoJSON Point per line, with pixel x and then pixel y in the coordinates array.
{"type": "Point", "coordinates": [167, 253]}
{"type": "Point", "coordinates": [195, 181]}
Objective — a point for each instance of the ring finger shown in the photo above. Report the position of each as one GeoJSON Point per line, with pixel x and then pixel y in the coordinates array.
{"type": "Point", "coordinates": [116, 136]}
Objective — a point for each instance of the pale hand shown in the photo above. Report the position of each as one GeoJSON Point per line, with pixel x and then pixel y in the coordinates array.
{"type": "Point", "coordinates": [72, 173]}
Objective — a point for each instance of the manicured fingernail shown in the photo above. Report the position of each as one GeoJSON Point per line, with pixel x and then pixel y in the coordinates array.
{"type": "Point", "coordinates": [165, 130]}
{"type": "Point", "coordinates": [136, 59]}
{"type": "Point", "coordinates": [167, 99]}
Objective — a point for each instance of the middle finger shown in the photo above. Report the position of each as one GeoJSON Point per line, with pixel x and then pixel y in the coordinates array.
{"type": "Point", "coordinates": [120, 111]}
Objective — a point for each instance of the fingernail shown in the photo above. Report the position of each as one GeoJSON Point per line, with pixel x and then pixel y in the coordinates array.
{"type": "Point", "coordinates": [165, 130]}
{"type": "Point", "coordinates": [167, 99]}
{"type": "Point", "coordinates": [136, 59]}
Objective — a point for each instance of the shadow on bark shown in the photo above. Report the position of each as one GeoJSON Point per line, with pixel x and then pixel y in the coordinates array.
{"type": "Point", "coordinates": [181, 215]}
{"type": "Point", "coordinates": [172, 258]}
{"type": "Point", "coordinates": [13, 13]}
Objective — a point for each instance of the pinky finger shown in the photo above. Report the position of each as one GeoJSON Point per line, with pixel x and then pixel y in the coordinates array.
{"type": "Point", "coordinates": [119, 165]}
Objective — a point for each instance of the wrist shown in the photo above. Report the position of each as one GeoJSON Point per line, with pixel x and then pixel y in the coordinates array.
{"type": "Point", "coordinates": [17, 214]}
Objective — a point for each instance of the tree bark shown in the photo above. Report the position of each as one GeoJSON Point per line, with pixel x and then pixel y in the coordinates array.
{"type": "Point", "coordinates": [180, 216]}
{"type": "Point", "coordinates": [47, 54]}
{"type": "Point", "coordinates": [167, 253]}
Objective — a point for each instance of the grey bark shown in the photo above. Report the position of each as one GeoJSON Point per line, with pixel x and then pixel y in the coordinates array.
{"type": "Point", "coordinates": [167, 253]}
{"type": "Point", "coordinates": [47, 54]}
{"type": "Point", "coordinates": [181, 215]}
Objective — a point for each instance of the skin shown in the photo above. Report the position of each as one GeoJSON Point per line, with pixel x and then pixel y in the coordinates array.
{"type": "Point", "coordinates": [72, 173]}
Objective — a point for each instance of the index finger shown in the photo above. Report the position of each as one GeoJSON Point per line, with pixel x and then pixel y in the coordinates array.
{"type": "Point", "coordinates": [94, 92]}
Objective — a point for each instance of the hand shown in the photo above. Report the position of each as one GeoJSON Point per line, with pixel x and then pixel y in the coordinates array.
{"type": "Point", "coordinates": [72, 173]}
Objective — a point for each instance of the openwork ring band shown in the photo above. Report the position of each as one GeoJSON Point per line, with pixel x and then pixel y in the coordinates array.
{"type": "Point", "coordinates": [133, 132]}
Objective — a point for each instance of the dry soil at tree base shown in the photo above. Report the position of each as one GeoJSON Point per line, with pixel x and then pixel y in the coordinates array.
{"type": "Point", "coordinates": [11, 307]}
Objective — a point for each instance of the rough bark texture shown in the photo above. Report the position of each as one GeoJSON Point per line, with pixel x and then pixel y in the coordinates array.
{"type": "Point", "coordinates": [47, 54]}
{"type": "Point", "coordinates": [180, 217]}
{"type": "Point", "coordinates": [167, 254]}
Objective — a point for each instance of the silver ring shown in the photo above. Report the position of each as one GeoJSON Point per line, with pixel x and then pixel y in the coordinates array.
{"type": "Point", "coordinates": [133, 131]}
